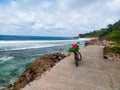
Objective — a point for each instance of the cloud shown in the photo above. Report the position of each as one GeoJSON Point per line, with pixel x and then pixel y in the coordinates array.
{"type": "Point", "coordinates": [56, 17]}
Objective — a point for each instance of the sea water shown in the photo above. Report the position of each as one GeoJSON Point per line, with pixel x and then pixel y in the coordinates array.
{"type": "Point", "coordinates": [18, 52]}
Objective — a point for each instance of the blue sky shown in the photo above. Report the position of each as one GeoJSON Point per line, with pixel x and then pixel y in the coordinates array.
{"type": "Point", "coordinates": [56, 17]}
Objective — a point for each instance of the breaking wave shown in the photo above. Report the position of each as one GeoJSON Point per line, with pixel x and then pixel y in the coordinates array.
{"type": "Point", "coordinates": [22, 45]}
{"type": "Point", "coordinates": [5, 58]}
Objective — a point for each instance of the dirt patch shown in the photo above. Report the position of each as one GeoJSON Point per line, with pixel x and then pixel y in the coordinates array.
{"type": "Point", "coordinates": [37, 68]}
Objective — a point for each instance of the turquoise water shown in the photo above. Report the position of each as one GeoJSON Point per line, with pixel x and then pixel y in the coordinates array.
{"type": "Point", "coordinates": [16, 55]}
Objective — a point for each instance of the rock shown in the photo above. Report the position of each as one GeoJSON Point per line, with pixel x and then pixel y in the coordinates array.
{"type": "Point", "coordinates": [37, 68]}
{"type": "Point", "coordinates": [100, 42]}
{"type": "Point", "coordinates": [10, 86]}
{"type": "Point", "coordinates": [60, 58]}
{"type": "Point", "coordinates": [2, 81]}
{"type": "Point", "coordinates": [105, 56]}
{"type": "Point", "coordinates": [111, 56]}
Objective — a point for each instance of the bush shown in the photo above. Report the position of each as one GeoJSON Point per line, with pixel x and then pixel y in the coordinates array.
{"type": "Point", "coordinates": [113, 50]}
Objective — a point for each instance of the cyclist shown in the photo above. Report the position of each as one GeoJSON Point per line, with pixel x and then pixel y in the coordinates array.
{"type": "Point", "coordinates": [77, 54]}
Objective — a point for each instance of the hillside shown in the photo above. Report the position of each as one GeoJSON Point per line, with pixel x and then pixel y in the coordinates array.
{"type": "Point", "coordinates": [112, 32]}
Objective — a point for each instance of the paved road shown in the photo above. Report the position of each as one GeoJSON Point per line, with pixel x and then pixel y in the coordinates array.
{"type": "Point", "coordinates": [93, 73]}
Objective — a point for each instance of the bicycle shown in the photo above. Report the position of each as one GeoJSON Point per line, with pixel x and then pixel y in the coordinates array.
{"type": "Point", "coordinates": [77, 54]}
{"type": "Point", "coordinates": [77, 57]}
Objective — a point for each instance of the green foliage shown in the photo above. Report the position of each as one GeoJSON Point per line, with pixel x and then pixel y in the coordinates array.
{"type": "Point", "coordinates": [114, 36]}
{"type": "Point", "coordinates": [73, 49]}
{"type": "Point", "coordinates": [113, 49]}
{"type": "Point", "coordinates": [112, 32]}
{"type": "Point", "coordinates": [117, 44]}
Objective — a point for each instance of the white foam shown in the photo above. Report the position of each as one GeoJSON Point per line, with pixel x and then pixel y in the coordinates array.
{"type": "Point", "coordinates": [33, 47]}
{"type": "Point", "coordinates": [31, 41]}
{"type": "Point", "coordinates": [22, 45]}
{"type": "Point", "coordinates": [5, 58]}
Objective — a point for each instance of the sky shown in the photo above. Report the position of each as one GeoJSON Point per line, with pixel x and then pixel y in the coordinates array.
{"type": "Point", "coordinates": [56, 17]}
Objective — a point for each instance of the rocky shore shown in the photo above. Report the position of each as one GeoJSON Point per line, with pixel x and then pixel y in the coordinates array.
{"type": "Point", "coordinates": [46, 62]}
{"type": "Point", "coordinates": [37, 68]}
{"type": "Point", "coordinates": [100, 42]}
{"type": "Point", "coordinates": [107, 55]}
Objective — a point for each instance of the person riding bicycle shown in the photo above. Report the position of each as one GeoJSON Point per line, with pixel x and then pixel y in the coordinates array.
{"type": "Point", "coordinates": [75, 50]}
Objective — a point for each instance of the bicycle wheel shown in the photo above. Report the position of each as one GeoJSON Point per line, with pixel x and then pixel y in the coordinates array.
{"type": "Point", "coordinates": [76, 59]}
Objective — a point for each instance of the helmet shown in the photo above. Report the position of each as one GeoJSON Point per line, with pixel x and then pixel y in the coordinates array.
{"type": "Point", "coordinates": [75, 46]}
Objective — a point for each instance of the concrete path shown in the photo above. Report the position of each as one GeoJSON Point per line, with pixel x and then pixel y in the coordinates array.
{"type": "Point", "coordinates": [93, 73]}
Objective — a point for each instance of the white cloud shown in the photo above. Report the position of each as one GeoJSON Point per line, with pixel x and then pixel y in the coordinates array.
{"type": "Point", "coordinates": [57, 17]}
{"type": "Point", "coordinates": [113, 6]}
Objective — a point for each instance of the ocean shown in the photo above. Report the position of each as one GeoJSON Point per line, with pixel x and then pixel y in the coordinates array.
{"type": "Point", "coordinates": [18, 52]}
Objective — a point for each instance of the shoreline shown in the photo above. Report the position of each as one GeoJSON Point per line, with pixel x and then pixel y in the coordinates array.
{"type": "Point", "coordinates": [27, 56]}
{"type": "Point", "coordinates": [92, 72]}
{"type": "Point", "coordinates": [92, 41]}
{"type": "Point", "coordinates": [20, 59]}
{"type": "Point", "coordinates": [25, 76]}
{"type": "Point", "coordinates": [37, 69]}
{"type": "Point", "coordinates": [54, 59]}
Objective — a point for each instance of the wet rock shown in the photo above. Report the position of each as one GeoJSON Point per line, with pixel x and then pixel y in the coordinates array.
{"type": "Point", "coordinates": [10, 86]}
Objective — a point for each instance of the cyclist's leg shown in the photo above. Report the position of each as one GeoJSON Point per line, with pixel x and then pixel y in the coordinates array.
{"type": "Point", "coordinates": [80, 56]}
{"type": "Point", "coordinates": [76, 58]}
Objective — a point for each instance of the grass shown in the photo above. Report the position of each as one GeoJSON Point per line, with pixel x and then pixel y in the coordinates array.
{"type": "Point", "coordinates": [117, 44]}
{"type": "Point", "coordinates": [113, 49]}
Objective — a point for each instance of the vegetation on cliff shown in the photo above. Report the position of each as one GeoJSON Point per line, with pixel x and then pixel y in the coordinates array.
{"type": "Point", "coordinates": [111, 33]}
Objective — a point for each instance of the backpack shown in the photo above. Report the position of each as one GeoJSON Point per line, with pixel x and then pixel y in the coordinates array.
{"type": "Point", "coordinates": [74, 48]}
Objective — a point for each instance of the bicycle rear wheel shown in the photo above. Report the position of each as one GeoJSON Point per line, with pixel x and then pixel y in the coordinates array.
{"type": "Point", "coordinates": [76, 59]}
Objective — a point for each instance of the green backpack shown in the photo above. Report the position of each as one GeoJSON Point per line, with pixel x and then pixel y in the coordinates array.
{"type": "Point", "coordinates": [73, 49]}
